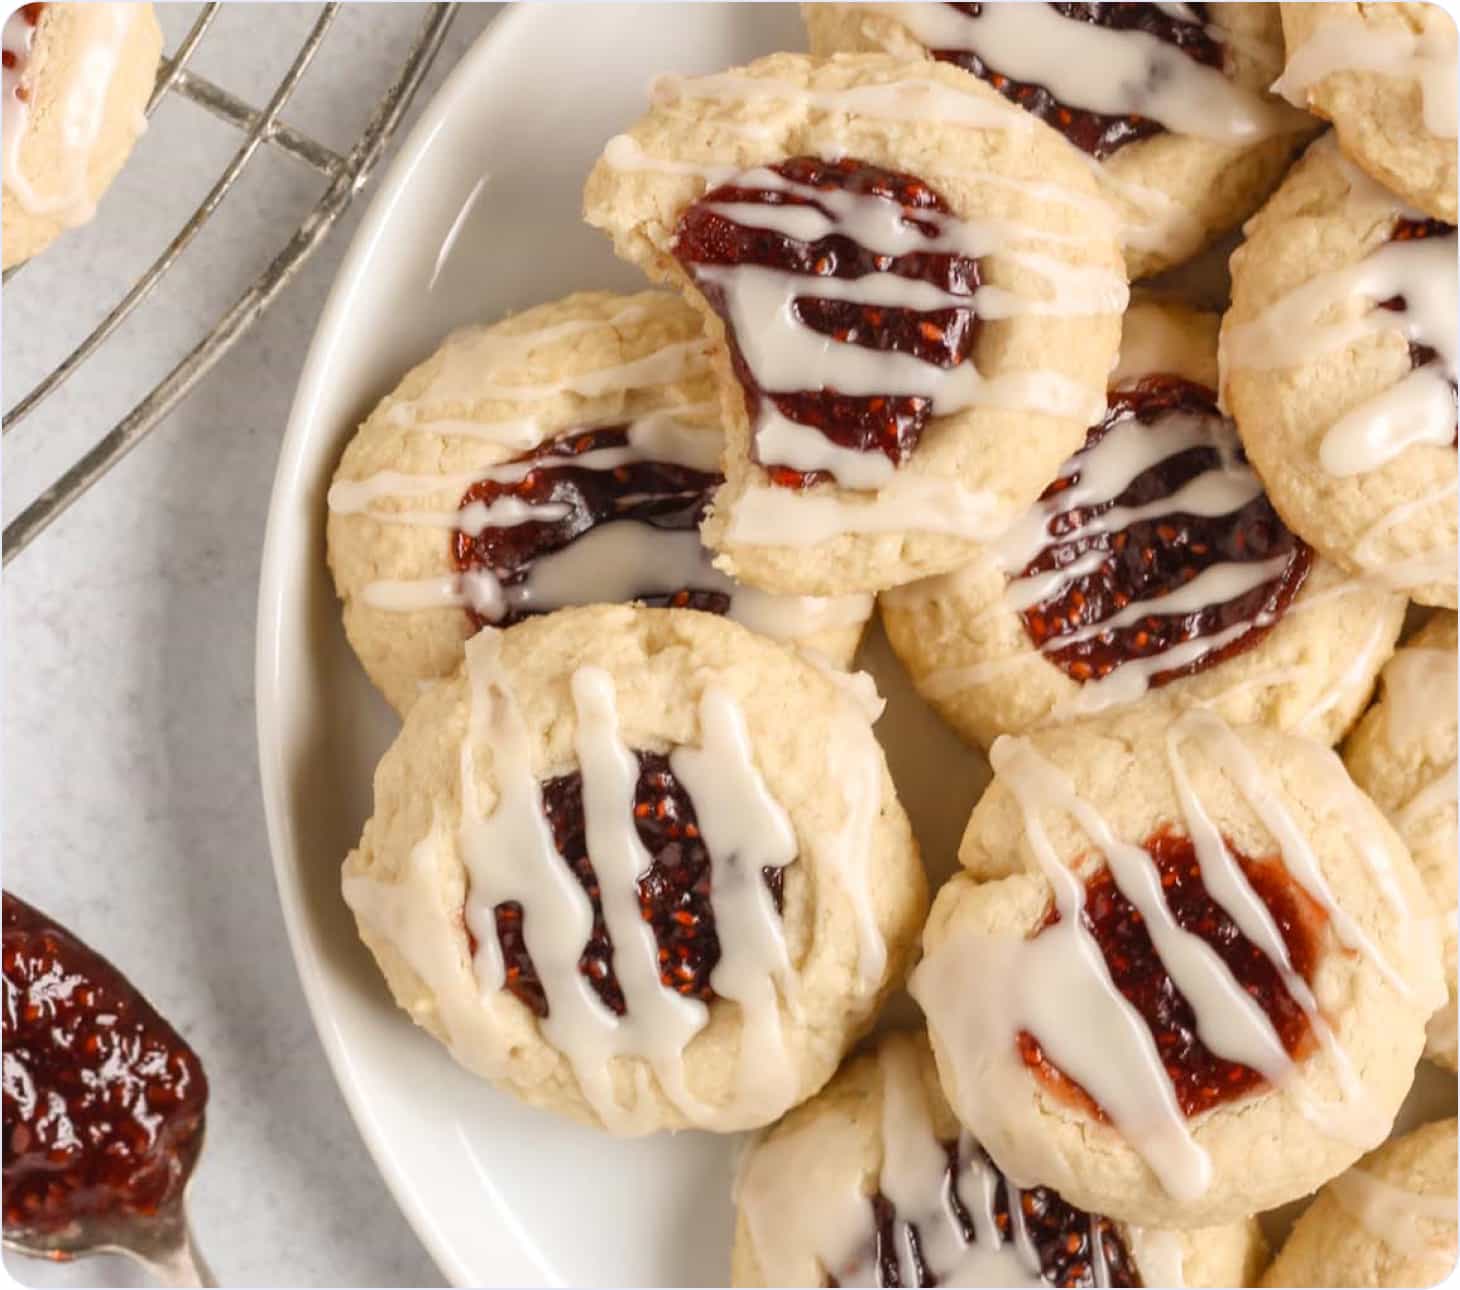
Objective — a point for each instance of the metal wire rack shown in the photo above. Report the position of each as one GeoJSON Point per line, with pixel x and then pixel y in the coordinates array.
{"type": "Point", "coordinates": [347, 174]}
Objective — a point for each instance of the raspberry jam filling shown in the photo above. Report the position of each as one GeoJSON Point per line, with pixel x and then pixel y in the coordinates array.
{"type": "Point", "coordinates": [103, 1099]}
{"type": "Point", "coordinates": [663, 495]}
{"type": "Point", "coordinates": [1158, 552]}
{"type": "Point", "coordinates": [674, 893]}
{"type": "Point", "coordinates": [1199, 1079]}
{"type": "Point", "coordinates": [1060, 1235]}
{"type": "Point", "coordinates": [1098, 134]}
{"type": "Point", "coordinates": [710, 239]}
{"type": "Point", "coordinates": [1415, 230]}
{"type": "Point", "coordinates": [19, 35]}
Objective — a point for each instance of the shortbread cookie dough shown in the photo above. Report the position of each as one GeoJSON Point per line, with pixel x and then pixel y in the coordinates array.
{"type": "Point", "coordinates": [1384, 74]}
{"type": "Point", "coordinates": [562, 456]}
{"type": "Point", "coordinates": [1204, 965]}
{"type": "Point", "coordinates": [1403, 756]}
{"type": "Point", "coordinates": [640, 867]}
{"type": "Point", "coordinates": [1154, 571]}
{"type": "Point", "coordinates": [1167, 104]}
{"type": "Point", "coordinates": [1388, 1221]}
{"type": "Point", "coordinates": [875, 1177]}
{"type": "Point", "coordinates": [913, 293]}
{"type": "Point", "coordinates": [1339, 363]}
{"type": "Point", "coordinates": [76, 79]}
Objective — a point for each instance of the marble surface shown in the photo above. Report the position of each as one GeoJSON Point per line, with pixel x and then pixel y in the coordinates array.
{"type": "Point", "coordinates": [132, 809]}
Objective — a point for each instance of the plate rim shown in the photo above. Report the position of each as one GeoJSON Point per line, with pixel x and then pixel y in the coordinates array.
{"type": "Point", "coordinates": [511, 1253]}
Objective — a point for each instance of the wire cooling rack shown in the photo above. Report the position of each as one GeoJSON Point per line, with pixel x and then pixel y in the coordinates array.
{"type": "Point", "coordinates": [347, 174]}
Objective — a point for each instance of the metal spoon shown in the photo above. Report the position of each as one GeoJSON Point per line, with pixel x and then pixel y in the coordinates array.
{"type": "Point", "coordinates": [162, 1242]}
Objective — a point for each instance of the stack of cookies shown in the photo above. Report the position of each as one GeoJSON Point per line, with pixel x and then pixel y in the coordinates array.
{"type": "Point", "coordinates": [1156, 560]}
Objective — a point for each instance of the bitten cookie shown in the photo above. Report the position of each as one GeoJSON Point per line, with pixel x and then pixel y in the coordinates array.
{"type": "Point", "coordinates": [1388, 1221]}
{"type": "Point", "coordinates": [1167, 103]}
{"type": "Point", "coordinates": [563, 456]}
{"type": "Point", "coordinates": [875, 1177]}
{"type": "Point", "coordinates": [1384, 74]}
{"type": "Point", "coordinates": [1338, 360]}
{"type": "Point", "coordinates": [1204, 968]}
{"type": "Point", "coordinates": [640, 867]}
{"type": "Point", "coordinates": [76, 79]}
{"type": "Point", "coordinates": [1403, 756]}
{"type": "Point", "coordinates": [913, 295]}
{"type": "Point", "coordinates": [1153, 571]}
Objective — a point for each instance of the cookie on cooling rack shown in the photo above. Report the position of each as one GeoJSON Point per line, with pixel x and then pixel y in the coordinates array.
{"type": "Point", "coordinates": [874, 1183]}
{"type": "Point", "coordinates": [1384, 74]}
{"type": "Point", "coordinates": [1338, 360]}
{"type": "Point", "coordinates": [1167, 103]}
{"type": "Point", "coordinates": [1403, 756]}
{"type": "Point", "coordinates": [1204, 965]}
{"type": "Point", "coordinates": [913, 292]}
{"type": "Point", "coordinates": [641, 867]}
{"type": "Point", "coordinates": [563, 456]}
{"type": "Point", "coordinates": [76, 79]}
{"type": "Point", "coordinates": [1388, 1221]}
{"type": "Point", "coordinates": [1153, 571]}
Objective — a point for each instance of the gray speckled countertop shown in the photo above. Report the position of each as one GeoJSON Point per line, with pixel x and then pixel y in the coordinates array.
{"type": "Point", "coordinates": [132, 810]}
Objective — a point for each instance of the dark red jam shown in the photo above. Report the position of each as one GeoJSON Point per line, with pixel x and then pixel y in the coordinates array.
{"type": "Point", "coordinates": [674, 893]}
{"type": "Point", "coordinates": [1060, 1234]}
{"type": "Point", "coordinates": [660, 494]}
{"type": "Point", "coordinates": [1152, 557]}
{"type": "Point", "coordinates": [1415, 230]}
{"type": "Point", "coordinates": [13, 60]}
{"type": "Point", "coordinates": [1200, 1079]}
{"type": "Point", "coordinates": [889, 424]}
{"type": "Point", "coordinates": [1097, 133]}
{"type": "Point", "coordinates": [103, 1099]}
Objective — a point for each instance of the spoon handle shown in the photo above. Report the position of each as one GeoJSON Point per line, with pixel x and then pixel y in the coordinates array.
{"type": "Point", "coordinates": [181, 1263]}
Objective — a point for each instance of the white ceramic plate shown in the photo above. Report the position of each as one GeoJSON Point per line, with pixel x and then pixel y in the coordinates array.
{"type": "Point", "coordinates": [499, 1194]}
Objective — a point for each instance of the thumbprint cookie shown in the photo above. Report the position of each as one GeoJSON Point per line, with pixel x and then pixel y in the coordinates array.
{"type": "Point", "coordinates": [1152, 571]}
{"type": "Point", "coordinates": [912, 291]}
{"type": "Point", "coordinates": [1338, 363]}
{"type": "Point", "coordinates": [641, 867]}
{"type": "Point", "coordinates": [563, 456]}
{"type": "Point", "coordinates": [1187, 973]}
{"type": "Point", "coordinates": [1166, 103]}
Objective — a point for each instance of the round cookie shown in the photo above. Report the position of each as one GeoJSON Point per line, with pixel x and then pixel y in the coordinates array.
{"type": "Point", "coordinates": [1168, 104]}
{"type": "Point", "coordinates": [561, 456]}
{"type": "Point", "coordinates": [836, 1193]}
{"type": "Point", "coordinates": [1338, 363]}
{"type": "Point", "coordinates": [1158, 504]}
{"type": "Point", "coordinates": [76, 79]}
{"type": "Point", "coordinates": [1403, 756]}
{"type": "Point", "coordinates": [1384, 74]}
{"type": "Point", "coordinates": [640, 867]}
{"type": "Point", "coordinates": [1204, 968]}
{"type": "Point", "coordinates": [1388, 1221]}
{"type": "Point", "coordinates": [912, 290]}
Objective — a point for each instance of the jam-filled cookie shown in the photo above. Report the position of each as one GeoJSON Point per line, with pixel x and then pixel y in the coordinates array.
{"type": "Point", "coordinates": [1388, 1221]}
{"type": "Point", "coordinates": [875, 1183]}
{"type": "Point", "coordinates": [641, 867]}
{"type": "Point", "coordinates": [1338, 360]}
{"type": "Point", "coordinates": [1403, 755]}
{"type": "Point", "coordinates": [1153, 570]}
{"type": "Point", "coordinates": [1384, 74]}
{"type": "Point", "coordinates": [913, 292]}
{"type": "Point", "coordinates": [1166, 103]}
{"type": "Point", "coordinates": [1204, 965]}
{"type": "Point", "coordinates": [76, 78]}
{"type": "Point", "coordinates": [563, 456]}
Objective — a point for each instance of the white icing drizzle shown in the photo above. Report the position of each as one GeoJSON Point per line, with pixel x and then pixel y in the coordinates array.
{"type": "Point", "coordinates": [1056, 986]}
{"type": "Point", "coordinates": [1420, 700]}
{"type": "Point", "coordinates": [1338, 308]}
{"type": "Point", "coordinates": [1402, 1219]}
{"type": "Point", "coordinates": [1434, 564]}
{"type": "Point", "coordinates": [509, 855]}
{"type": "Point", "coordinates": [1096, 69]}
{"type": "Point", "coordinates": [81, 104]}
{"type": "Point", "coordinates": [1351, 45]}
